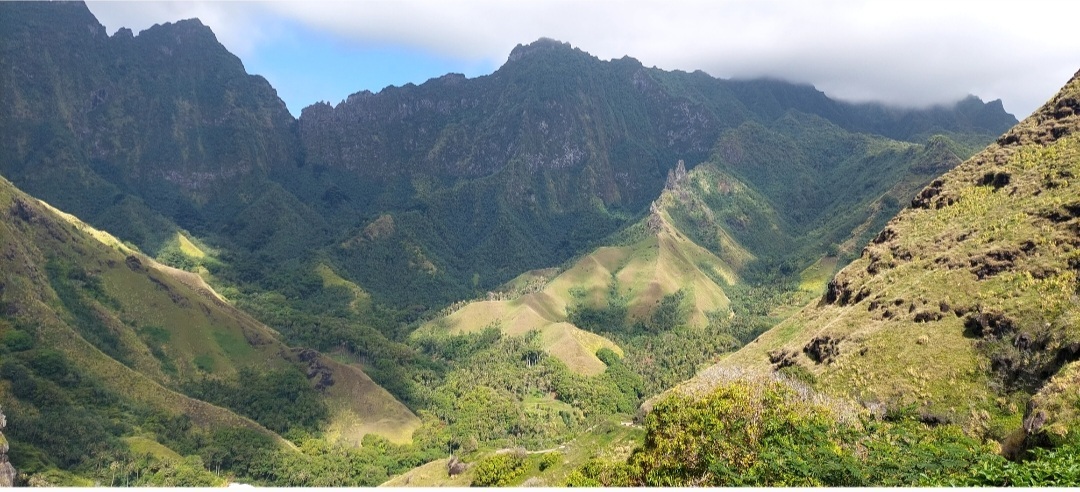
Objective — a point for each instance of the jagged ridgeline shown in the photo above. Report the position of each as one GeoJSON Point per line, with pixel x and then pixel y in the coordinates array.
{"type": "Point", "coordinates": [541, 160]}
{"type": "Point", "coordinates": [965, 306]}
{"type": "Point", "coordinates": [481, 179]}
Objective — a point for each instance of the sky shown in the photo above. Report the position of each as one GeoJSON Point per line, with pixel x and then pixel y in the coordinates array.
{"type": "Point", "coordinates": [912, 53]}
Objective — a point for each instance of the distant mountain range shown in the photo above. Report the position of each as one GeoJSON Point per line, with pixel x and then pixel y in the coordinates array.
{"type": "Point", "coordinates": [485, 178]}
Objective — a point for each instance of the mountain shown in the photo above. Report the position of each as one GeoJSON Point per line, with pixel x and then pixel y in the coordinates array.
{"type": "Point", "coordinates": [101, 341]}
{"type": "Point", "coordinates": [658, 278]}
{"type": "Point", "coordinates": [556, 149]}
{"type": "Point", "coordinates": [143, 135]}
{"type": "Point", "coordinates": [708, 226]}
{"type": "Point", "coordinates": [964, 305]}
{"type": "Point", "coordinates": [483, 179]}
{"type": "Point", "coordinates": [309, 280]}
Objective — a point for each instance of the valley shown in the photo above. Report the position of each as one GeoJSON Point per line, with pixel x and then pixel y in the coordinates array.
{"type": "Point", "coordinates": [548, 275]}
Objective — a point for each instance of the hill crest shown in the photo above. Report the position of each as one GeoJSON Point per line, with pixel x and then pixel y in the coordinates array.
{"type": "Point", "coordinates": [965, 304]}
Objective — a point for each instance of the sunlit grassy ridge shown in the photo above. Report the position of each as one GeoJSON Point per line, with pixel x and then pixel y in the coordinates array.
{"type": "Point", "coordinates": [361, 300]}
{"type": "Point", "coordinates": [660, 262]}
{"type": "Point", "coordinates": [152, 329]}
{"type": "Point", "coordinates": [965, 305]}
{"type": "Point", "coordinates": [30, 233]}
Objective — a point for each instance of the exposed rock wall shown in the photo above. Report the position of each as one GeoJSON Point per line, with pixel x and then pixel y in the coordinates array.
{"type": "Point", "coordinates": [7, 472]}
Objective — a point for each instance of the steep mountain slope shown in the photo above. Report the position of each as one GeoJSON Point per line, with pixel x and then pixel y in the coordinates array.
{"type": "Point", "coordinates": [800, 186]}
{"type": "Point", "coordinates": [612, 286]}
{"type": "Point", "coordinates": [660, 265]}
{"type": "Point", "coordinates": [965, 305]}
{"type": "Point", "coordinates": [345, 228]}
{"type": "Point", "coordinates": [557, 149]}
{"type": "Point", "coordinates": [482, 178]}
{"type": "Point", "coordinates": [80, 311]}
{"type": "Point", "coordinates": [141, 134]}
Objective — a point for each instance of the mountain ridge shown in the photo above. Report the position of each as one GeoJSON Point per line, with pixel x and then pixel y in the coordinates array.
{"type": "Point", "coordinates": [145, 188]}
{"type": "Point", "coordinates": [585, 195]}
{"type": "Point", "coordinates": [977, 278]}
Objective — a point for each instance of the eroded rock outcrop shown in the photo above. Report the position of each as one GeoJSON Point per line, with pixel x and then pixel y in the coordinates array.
{"type": "Point", "coordinates": [7, 472]}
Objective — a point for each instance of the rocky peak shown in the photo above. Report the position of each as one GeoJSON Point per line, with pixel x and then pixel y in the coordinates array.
{"type": "Point", "coordinates": [187, 28]}
{"type": "Point", "coordinates": [540, 45]}
{"type": "Point", "coordinates": [124, 33]}
{"type": "Point", "coordinates": [676, 177]}
{"type": "Point", "coordinates": [317, 111]}
{"type": "Point", "coordinates": [189, 38]}
{"type": "Point", "coordinates": [655, 222]}
{"type": "Point", "coordinates": [452, 78]}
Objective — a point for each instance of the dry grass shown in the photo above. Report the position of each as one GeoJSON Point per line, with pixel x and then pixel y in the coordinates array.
{"type": "Point", "coordinates": [432, 474]}
{"type": "Point", "coordinates": [536, 312]}
{"type": "Point", "coordinates": [361, 301]}
{"type": "Point", "coordinates": [575, 347]}
{"type": "Point", "coordinates": [189, 248]}
{"type": "Point", "coordinates": [359, 406]}
{"type": "Point", "coordinates": [815, 277]}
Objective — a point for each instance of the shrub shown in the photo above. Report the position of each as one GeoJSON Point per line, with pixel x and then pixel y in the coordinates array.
{"type": "Point", "coordinates": [499, 470]}
{"type": "Point", "coordinates": [18, 340]}
{"type": "Point", "coordinates": [549, 460]}
{"type": "Point", "coordinates": [770, 432]}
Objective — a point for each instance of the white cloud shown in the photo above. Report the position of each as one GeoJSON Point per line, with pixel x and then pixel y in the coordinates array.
{"type": "Point", "coordinates": [908, 53]}
{"type": "Point", "coordinates": [239, 26]}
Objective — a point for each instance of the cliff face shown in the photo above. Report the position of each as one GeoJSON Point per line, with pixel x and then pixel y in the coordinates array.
{"type": "Point", "coordinates": [132, 132]}
{"type": "Point", "coordinates": [612, 128]}
{"type": "Point", "coordinates": [556, 149]}
{"type": "Point", "coordinates": [485, 177]}
{"type": "Point", "coordinates": [7, 472]}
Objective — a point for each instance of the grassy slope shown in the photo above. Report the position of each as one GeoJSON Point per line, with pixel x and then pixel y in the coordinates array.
{"type": "Point", "coordinates": [643, 272]}
{"type": "Point", "coordinates": [361, 300]}
{"type": "Point", "coordinates": [609, 440]}
{"type": "Point", "coordinates": [966, 303]}
{"type": "Point", "coordinates": [149, 307]}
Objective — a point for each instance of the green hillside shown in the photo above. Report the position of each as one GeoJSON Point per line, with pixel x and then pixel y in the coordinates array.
{"type": "Point", "coordinates": [612, 287]}
{"type": "Point", "coordinates": [944, 355]}
{"type": "Point", "coordinates": [469, 266]}
{"type": "Point", "coordinates": [961, 313]}
{"type": "Point", "coordinates": [484, 178]}
{"type": "Point", "coordinates": [90, 323]}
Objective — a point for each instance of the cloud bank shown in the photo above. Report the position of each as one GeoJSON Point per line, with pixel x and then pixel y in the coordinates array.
{"type": "Point", "coordinates": [913, 53]}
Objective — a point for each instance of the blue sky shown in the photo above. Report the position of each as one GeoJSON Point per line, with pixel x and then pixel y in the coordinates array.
{"type": "Point", "coordinates": [913, 53]}
{"type": "Point", "coordinates": [307, 66]}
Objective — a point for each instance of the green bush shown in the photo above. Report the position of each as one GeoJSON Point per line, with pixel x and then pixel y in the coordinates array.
{"type": "Point", "coordinates": [767, 433]}
{"type": "Point", "coordinates": [1058, 467]}
{"type": "Point", "coordinates": [281, 399]}
{"type": "Point", "coordinates": [18, 340]}
{"type": "Point", "coordinates": [549, 460]}
{"type": "Point", "coordinates": [798, 373]}
{"type": "Point", "coordinates": [498, 470]}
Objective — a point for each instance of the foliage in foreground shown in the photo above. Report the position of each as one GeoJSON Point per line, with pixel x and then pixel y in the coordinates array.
{"type": "Point", "coordinates": [773, 433]}
{"type": "Point", "coordinates": [1058, 467]}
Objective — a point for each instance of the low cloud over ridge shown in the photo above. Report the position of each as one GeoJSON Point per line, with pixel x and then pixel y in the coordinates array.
{"type": "Point", "coordinates": [914, 53]}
